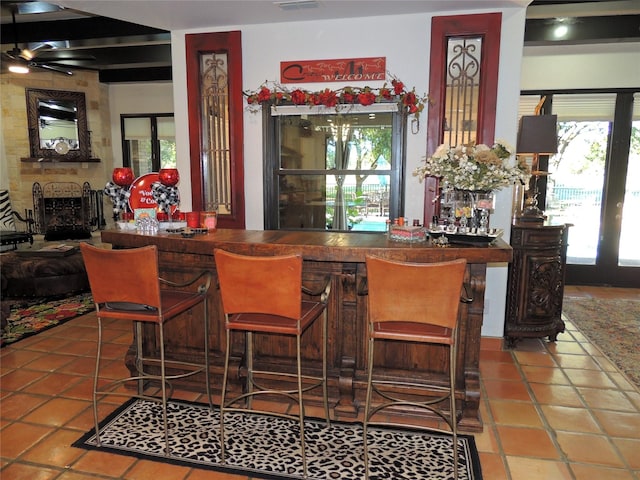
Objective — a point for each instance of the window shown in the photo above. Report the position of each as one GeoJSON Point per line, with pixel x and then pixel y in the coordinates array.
{"type": "Point", "coordinates": [148, 142]}
{"type": "Point", "coordinates": [337, 171]}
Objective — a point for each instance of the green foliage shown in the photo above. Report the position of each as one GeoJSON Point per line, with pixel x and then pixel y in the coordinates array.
{"type": "Point", "coordinates": [168, 154]}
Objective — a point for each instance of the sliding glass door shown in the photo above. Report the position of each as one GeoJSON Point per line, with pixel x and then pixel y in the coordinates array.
{"type": "Point", "coordinates": [590, 185]}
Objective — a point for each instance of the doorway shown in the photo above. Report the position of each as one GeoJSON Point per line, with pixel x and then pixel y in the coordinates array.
{"type": "Point", "coordinates": [589, 183]}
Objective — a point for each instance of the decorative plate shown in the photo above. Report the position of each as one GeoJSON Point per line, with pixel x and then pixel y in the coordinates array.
{"type": "Point", "coordinates": [141, 195]}
{"type": "Point", "coordinates": [61, 147]}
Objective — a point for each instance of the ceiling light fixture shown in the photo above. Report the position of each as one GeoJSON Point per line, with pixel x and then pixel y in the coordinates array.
{"type": "Point", "coordinates": [296, 4]}
{"type": "Point", "coordinates": [17, 68]}
{"type": "Point", "coordinates": [560, 31]}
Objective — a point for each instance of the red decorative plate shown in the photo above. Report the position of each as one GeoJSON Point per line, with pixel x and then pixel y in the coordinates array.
{"type": "Point", "coordinates": [141, 195]}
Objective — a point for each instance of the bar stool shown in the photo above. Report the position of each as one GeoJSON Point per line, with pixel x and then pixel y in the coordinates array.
{"type": "Point", "coordinates": [126, 286]}
{"type": "Point", "coordinates": [264, 295]}
{"type": "Point", "coordinates": [413, 302]}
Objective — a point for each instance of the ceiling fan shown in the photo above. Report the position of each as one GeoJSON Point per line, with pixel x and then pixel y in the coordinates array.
{"type": "Point", "coordinates": [44, 55]}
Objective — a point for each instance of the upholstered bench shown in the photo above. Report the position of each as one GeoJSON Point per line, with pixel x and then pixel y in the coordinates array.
{"type": "Point", "coordinates": [33, 275]}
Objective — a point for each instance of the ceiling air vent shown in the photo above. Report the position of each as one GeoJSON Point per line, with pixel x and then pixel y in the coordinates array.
{"type": "Point", "coordinates": [296, 4]}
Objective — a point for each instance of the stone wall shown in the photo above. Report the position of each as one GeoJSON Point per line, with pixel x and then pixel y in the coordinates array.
{"type": "Point", "coordinates": [19, 176]}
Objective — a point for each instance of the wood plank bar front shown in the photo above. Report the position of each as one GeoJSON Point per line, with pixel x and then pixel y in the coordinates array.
{"type": "Point", "coordinates": [340, 257]}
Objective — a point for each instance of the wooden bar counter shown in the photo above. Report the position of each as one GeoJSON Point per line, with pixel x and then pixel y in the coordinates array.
{"type": "Point", "coordinates": [340, 257]}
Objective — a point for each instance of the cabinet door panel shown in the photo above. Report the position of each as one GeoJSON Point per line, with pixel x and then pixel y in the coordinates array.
{"type": "Point", "coordinates": [536, 282]}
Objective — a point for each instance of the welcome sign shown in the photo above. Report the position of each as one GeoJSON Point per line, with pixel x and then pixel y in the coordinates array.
{"type": "Point", "coordinates": [335, 70]}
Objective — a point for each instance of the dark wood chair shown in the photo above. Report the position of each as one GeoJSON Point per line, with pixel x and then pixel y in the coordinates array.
{"type": "Point", "coordinates": [264, 295]}
{"type": "Point", "coordinates": [126, 286]}
{"type": "Point", "coordinates": [413, 302]}
{"type": "Point", "coordinates": [10, 234]}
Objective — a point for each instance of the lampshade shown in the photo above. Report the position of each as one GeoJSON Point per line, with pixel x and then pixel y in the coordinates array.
{"type": "Point", "coordinates": [538, 135]}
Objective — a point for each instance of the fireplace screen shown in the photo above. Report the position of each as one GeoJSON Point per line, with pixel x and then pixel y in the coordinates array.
{"type": "Point", "coordinates": [62, 210]}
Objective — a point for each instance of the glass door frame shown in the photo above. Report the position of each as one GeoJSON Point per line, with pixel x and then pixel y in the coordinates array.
{"type": "Point", "coordinates": [606, 270]}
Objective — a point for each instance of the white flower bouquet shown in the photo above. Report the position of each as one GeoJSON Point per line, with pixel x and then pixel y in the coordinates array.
{"type": "Point", "coordinates": [474, 167]}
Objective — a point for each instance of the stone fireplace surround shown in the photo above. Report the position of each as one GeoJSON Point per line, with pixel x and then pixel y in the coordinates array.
{"type": "Point", "coordinates": [18, 176]}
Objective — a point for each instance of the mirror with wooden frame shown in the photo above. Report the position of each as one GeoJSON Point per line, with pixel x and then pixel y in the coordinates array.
{"type": "Point", "coordinates": [58, 126]}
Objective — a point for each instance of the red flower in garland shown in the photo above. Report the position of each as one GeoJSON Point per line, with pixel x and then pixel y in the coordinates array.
{"type": "Point", "coordinates": [366, 98]}
{"type": "Point", "coordinates": [298, 97]}
{"type": "Point", "coordinates": [398, 86]}
{"type": "Point", "coordinates": [264, 95]}
{"type": "Point", "coordinates": [328, 98]}
{"type": "Point", "coordinates": [385, 93]}
{"type": "Point", "coordinates": [409, 99]}
{"type": "Point", "coordinates": [348, 96]}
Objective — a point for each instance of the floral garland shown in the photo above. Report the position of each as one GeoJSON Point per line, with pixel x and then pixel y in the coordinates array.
{"type": "Point", "coordinates": [409, 101]}
{"type": "Point", "coordinates": [474, 167]}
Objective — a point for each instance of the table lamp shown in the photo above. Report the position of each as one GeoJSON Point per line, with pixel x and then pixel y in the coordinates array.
{"type": "Point", "coordinates": [537, 136]}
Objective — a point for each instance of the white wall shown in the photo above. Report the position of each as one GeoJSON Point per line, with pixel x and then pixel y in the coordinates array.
{"type": "Point", "coordinates": [405, 42]}
{"type": "Point", "coordinates": [611, 65]}
{"type": "Point", "coordinates": [152, 97]}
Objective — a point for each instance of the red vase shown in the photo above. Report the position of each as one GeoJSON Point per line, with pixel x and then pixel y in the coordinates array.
{"type": "Point", "coordinates": [168, 176]}
{"type": "Point", "coordinates": [123, 176]}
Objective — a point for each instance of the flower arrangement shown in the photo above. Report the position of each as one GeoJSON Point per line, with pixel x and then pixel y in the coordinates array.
{"type": "Point", "coordinates": [474, 167]}
{"type": "Point", "coordinates": [409, 101]}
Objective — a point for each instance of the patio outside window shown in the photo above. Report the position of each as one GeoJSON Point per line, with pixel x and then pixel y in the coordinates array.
{"type": "Point", "coordinates": [334, 171]}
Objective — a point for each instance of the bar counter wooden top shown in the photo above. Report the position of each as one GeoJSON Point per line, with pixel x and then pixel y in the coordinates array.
{"type": "Point", "coordinates": [340, 257]}
{"type": "Point", "coordinates": [315, 246]}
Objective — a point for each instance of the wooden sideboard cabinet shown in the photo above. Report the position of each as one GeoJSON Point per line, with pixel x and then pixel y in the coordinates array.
{"type": "Point", "coordinates": [536, 282]}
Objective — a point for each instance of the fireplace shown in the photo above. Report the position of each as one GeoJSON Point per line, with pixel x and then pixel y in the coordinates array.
{"type": "Point", "coordinates": [62, 210]}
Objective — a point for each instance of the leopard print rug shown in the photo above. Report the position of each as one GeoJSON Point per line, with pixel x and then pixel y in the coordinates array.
{"type": "Point", "coordinates": [268, 447]}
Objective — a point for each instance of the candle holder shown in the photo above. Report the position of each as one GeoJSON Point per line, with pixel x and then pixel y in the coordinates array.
{"type": "Point", "coordinates": [169, 176]}
{"type": "Point", "coordinates": [122, 176]}
{"type": "Point", "coordinates": [118, 190]}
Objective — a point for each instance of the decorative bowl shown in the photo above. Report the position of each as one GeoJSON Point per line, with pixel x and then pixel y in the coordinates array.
{"type": "Point", "coordinates": [168, 176]}
{"type": "Point", "coordinates": [122, 176]}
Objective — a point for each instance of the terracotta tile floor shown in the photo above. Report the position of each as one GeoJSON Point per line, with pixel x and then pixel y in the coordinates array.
{"type": "Point", "coordinates": [550, 411]}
